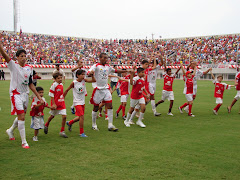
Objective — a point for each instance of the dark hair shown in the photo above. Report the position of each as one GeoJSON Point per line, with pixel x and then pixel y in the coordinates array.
{"type": "Point", "coordinates": [124, 69]}
{"type": "Point", "coordinates": [20, 51]}
{"type": "Point", "coordinates": [57, 65]}
{"type": "Point", "coordinates": [114, 65]}
{"type": "Point", "coordinates": [39, 88]}
{"type": "Point", "coordinates": [153, 61]}
{"type": "Point", "coordinates": [55, 75]}
{"type": "Point", "coordinates": [168, 69]}
{"type": "Point", "coordinates": [102, 54]}
{"type": "Point", "coordinates": [140, 70]}
{"type": "Point", "coordinates": [144, 61]}
{"type": "Point", "coordinates": [79, 72]}
{"type": "Point", "coordinates": [220, 76]}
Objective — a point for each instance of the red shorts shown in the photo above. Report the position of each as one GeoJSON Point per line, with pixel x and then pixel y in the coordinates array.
{"type": "Point", "coordinates": [79, 110]}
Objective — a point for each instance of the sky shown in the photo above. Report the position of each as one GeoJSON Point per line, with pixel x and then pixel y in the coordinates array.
{"type": "Point", "coordinates": [125, 19]}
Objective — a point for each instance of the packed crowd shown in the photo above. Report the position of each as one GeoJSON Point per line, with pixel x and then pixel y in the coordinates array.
{"type": "Point", "coordinates": [44, 49]}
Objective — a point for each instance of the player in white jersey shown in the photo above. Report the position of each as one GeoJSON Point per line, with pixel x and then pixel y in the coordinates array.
{"type": "Point", "coordinates": [101, 93]}
{"type": "Point", "coordinates": [79, 87]}
{"type": "Point", "coordinates": [21, 81]}
{"type": "Point", "coordinates": [74, 70]}
{"type": "Point", "coordinates": [199, 73]}
{"type": "Point", "coordinates": [150, 81]}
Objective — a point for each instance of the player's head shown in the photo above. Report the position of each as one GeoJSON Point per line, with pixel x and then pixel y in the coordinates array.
{"type": "Point", "coordinates": [40, 91]}
{"type": "Point", "coordinates": [169, 71]}
{"type": "Point", "coordinates": [193, 64]}
{"type": "Point", "coordinates": [140, 72]}
{"type": "Point", "coordinates": [57, 77]}
{"type": "Point", "coordinates": [115, 66]}
{"type": "Point", "coordinates": [152, 62]}
{"type": "Point", "coordinates": [80, 74]}
{"type": "Point", "coordinates": [103, 58]}
{"type": "Point", "coordinates": [80, 62]}
{"type": "Point", "coordinates": [145, 64]}
{"type": "Point", "coordinates": [21, 56]}
{"type": "Point", "coordinates": [220, 78]}
{"type": "Point", "coordinates": [125, 73]}
{"type": "Point", "coordinates": [57, 66]}
{"type": "Point", "coordinates": [189, 74]}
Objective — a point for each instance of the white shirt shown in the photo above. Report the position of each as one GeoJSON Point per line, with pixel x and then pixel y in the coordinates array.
{"type": "Point", "coordinates": [79, 91]}
{"type": "Point", "coordinates": [60, 71]}
{"type": "Point", "coordinates": [20, 77]}
{"type": "Point", "coordinates": [152, 75]}
{"type": "Point", "coordinates": [101, 74]}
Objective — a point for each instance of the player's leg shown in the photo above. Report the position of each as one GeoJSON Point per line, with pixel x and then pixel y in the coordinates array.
{"type": "Point", "coordinates": [71, 122]}
{"type": "Point", "coordinates": [62, 132]}
{"type": "Point", "coordinates": [12, 128]}
{"type": "Point", "coordinates": [96, 99]}
{"type": "Point", "coordinates": [81, 129]}
{"type": "Point", "coordinates": [109, 107]}
{"type": "Point", "coordinates": [219, 104]}
{"type": "Point", "coordinates": [35, 138]}
{"type": "Point", "coordinates": [190, 103]}
{"type": "Point", "coordinates": [128, 118]}
{"type": "Point", "coordinates": [234, 101]}
{"type": "Point", "coordinates": [124, 104]}
{"type": "Point", "coordinates": [21, 129]}
{"type": "Point", "coordinates": [106, 113]}
{"type": "Point", "coordinates": [48, 121]}
{"type": "Point", "coordinates": [94, 117]}
{"type": "Point", "coordinates": [139, 121]}
{"type": "Point", "coordinates": [119, 109]}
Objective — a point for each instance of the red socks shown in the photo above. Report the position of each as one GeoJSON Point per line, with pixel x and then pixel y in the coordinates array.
{"type": "Point", "coordinates": [71, 122]}
{"type": "Point", "coordinates": [81, 130]}
{"type": "Point", "coordinates": [62, 129]}
{"type": "Point", "coordinates": [217, 107]}
{"type": "Point", "coordinates": [123, 110]}
{"type": "Point", "coordinates": [119, 109]}
{"type": "Point", "coordinates": [190, 109]}
{"type": "Point", "coordinates": [47, 124]}
{"type": "Point", "coordinates": [184, 105]}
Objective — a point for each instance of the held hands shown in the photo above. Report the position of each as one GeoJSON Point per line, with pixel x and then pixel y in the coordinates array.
{"type": "Point", "coordinates": [54, 106]}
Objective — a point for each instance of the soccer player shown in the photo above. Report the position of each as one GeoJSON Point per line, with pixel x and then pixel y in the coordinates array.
{"type": "Point", "coordinates": [59, 71]}
{"type": "Point", "coordinates": [199, 73]}
{"type": "Point", "coordinates": [21, 81]}
{"type": "Point", "coordinates": [57, 103]}
{"type": "Point", "coordinates": [101, 91]}
{"type": "Point", "coordinates": [79, 87]}
{"type": "Point", "coordinates": [123, 84]}
{"type": "Point", "coordinates": [151, 77]}
{"type": "Point", "coordinates": [237, 84]}
{"type": "Point", "coordinates": [74, 70]}
{"type": "Point", "coordinates": [167, 92]}
{"type": "Point", "coordinates": [114, 80]}
{"type": "Point", "coordinates": [188, 77]}
{"type": "Point", "coordinates": [219, 90]}
{"type": "Point", "coordinates": [37, 113]}
{"type": "Point", "coordinates": [138, 84]}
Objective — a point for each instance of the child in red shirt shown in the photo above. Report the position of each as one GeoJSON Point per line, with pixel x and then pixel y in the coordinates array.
{"type": "Point", "coordinates": [57, 103]}
{"type": "Point", "coordinates": [37, 113]}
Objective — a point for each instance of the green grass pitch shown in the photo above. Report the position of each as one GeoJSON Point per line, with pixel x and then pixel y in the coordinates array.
{"type": "Point", "coordinates": [178, 147]}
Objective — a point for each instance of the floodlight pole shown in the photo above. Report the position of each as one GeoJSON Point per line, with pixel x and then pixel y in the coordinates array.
{"type": "Point", "coordinates": [15, 15]}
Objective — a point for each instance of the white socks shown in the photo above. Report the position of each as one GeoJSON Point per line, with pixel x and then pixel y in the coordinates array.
{"type": "Point", "coordinates": [14, 125]}
{"type": "Point", "coordinates": [153, 106]}
{"type": "Point", "coordinates": [132, 115]}
{"type": "Point", "coordinates": [141, 116]}
{"type": "Point", "coordinates": [110, 117]}
{"type": "Point", "coordinates": [94, 119]}
{"type": "Point", "coordinates": [72, 106]}
{"type": "Point", "coordinates": [128, 117]}
{"type": "Point", "coordinates": [21, 129]}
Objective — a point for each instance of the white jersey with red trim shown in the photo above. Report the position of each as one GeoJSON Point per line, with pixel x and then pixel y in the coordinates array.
{"type": "Point", "coordinates": [101, 74]}
{"type": "Point", "coordinates": [151, 74]}
{"type": "Point", "coordinates": [75, 77]}
{"type": "Point", "coordinates": [219, 88]}
{"type": "Point", "coordinates": [79, 92]}
{"type": "Point", "coordinates": [168, 81]}
{"type": "Point", "coordinates": [198, 74]}
{"type": "Point", "coordinates": [20, 78]}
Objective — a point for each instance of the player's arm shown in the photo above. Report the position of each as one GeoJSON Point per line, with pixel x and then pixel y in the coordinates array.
{"type": "Point", "coordinates": [4, 54]}
{"type": "Point", "coordinates": [75, 68]}
{"type": "Point", "coordinates": [120, 71]}
{"type": "Point", "coordinates": [90, 80]}
{"type": "Point", "coordinates": [189, 66]}
{"type": "Point", "coordinates": [161, 59]}
{"type": "Point", "coordinates": [154, 64]}
{"type": "Point", "coordinates": [66, 91]}
{"type": "Point", "coordinates": [213, 77]}
{"type": "Point", "coordinates": [54, 106]}
{"type": "Point", "coordinates": [177, 70]}
{"type": "Point", "coordinates": [207, 71]}
{"type": "Point", "coordinates": [121, 79]}
{"type": "Point", "coordinates": [194, 71]}
{"type": "Point", "coordinates": [147, 95]}
{"type": "Point", "coordinates": [165, 66]}
{"type": "Point", "coordinates": [110, 75]}
{"type": "Point", "coordinates": [182, 69]}
{"type": "Point", "coordinates": [91, 70]}
{"type": "Point", "coordinates": [131, 77]}
{"type": "Point", "coordinates": [33, 89]}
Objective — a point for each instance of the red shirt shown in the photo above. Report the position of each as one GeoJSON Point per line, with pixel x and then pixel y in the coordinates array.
{"type": "Point", "coordinates": [137, 89]}
{"type": "Point", "coordinates": [168, 81]}
{"type": "Point", "coordinates": [37, 111]}
{"type": "Point", "coordinates": [237, 77]}
{"type": "Point", "coordinates": [56, 91]}
{"type": "Point", "coordinates": [124, 86]}
{"type": "Point", "coordinates": [219, 89]}
{"type": "Point", "coordinates": [188, 89]}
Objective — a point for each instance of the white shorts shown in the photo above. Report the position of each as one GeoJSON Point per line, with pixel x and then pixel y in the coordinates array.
{"type": "Point", "coordinates": [19, 103]}
{"type": "Point", "coordinates": [167, 95]}
{"type": "Point", "coordinates": [135, 102]}
{"type": "Point", "coordinates": [124, 98]}
{"type": "Point", "coordinates": [195, 90]}
{"type": "Point", "coordinates": [219, 101]}
{"type": "Point", "coordinates": [101, 95]}
{"type": "Point", "coordinates": [237, 95]}
{"type": "Point", "coordinates": [189, 97]}
{"type": "Point", "coordinates": [58, 112]}
{"type": "Point", "coordinates": [151, 88]}
{"type": "Point", "coordinates": [37, 122]}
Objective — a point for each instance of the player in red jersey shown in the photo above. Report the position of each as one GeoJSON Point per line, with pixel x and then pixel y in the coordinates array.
{"type": "Point", "coordinates": [37, 113]}
{"type": "Point", "coordinates": [57, 103]}
{"type": "Point", "coordinates": [188, 77]}
{"type": "Point", "coordinates": [137, 98]}
{"type": "Point", "coordinates": [167, 92]}
{"type": "Point", "coordinates": [123, 85]}
{"type": "Point", "coordinates": [21, 81]}
{"type": "Point", "coordinates": [237, 84]}
{"type": "Point", "coordinates": [219, 90]}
